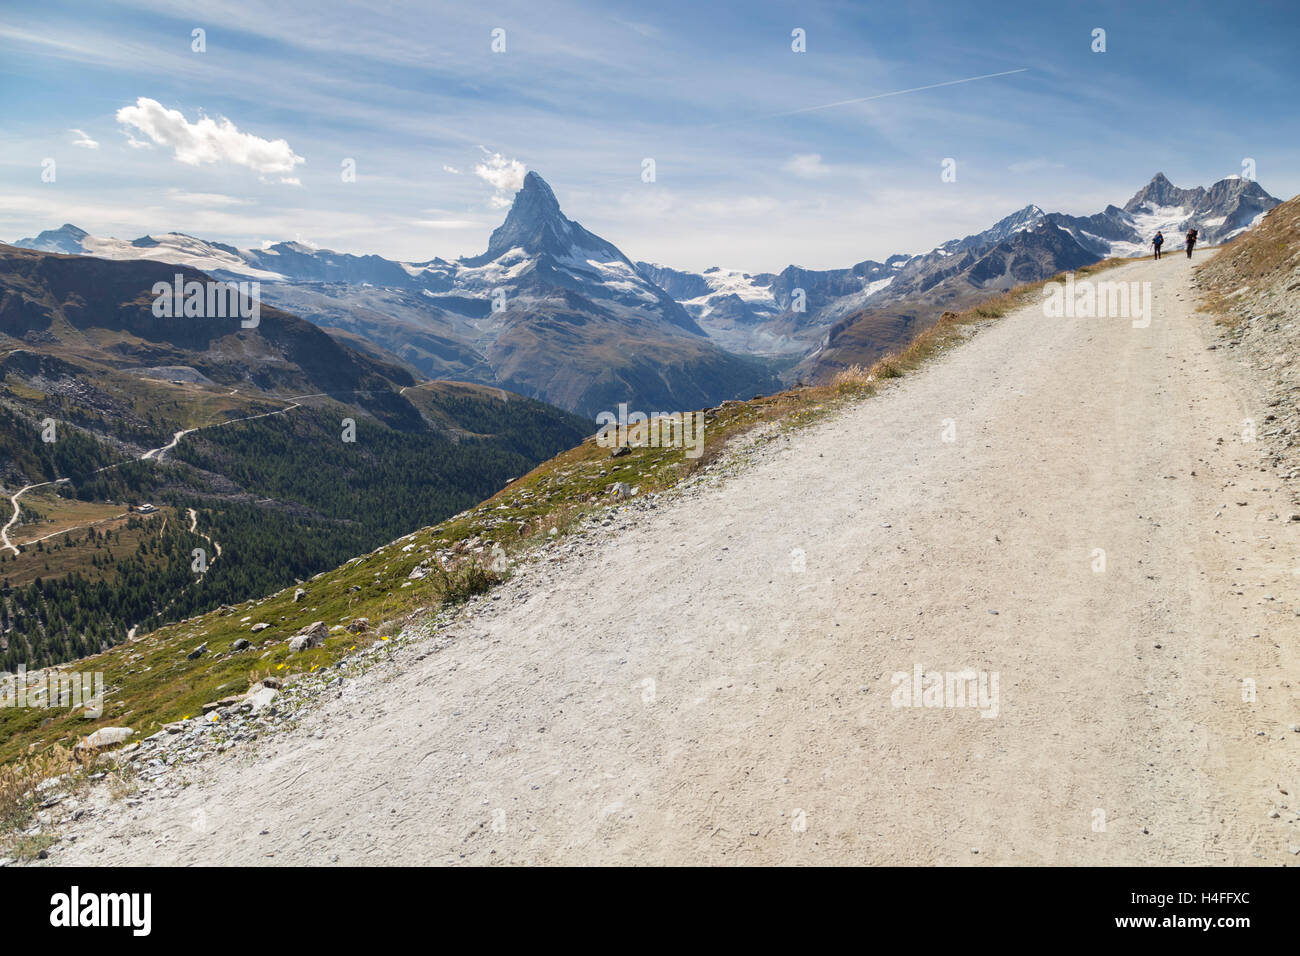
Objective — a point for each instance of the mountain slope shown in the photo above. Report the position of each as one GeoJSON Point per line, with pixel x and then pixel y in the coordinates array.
{"type": "Point", "coordinates": [553, 311]}
{"type": "Point", "coordinates": [579, 324]}
{"type": "Point", "coordinates": [932, 285]}
{"type": "Point", "coordinates": [277, 450]}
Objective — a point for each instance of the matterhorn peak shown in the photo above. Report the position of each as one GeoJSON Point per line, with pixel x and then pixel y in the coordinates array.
{"type": "Point", "coordinates": [536, 225]}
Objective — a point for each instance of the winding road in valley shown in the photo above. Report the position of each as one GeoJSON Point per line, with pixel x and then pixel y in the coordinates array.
{"type": "Point", "coordinates": [13, 502]}
{"type": "Point", "coordinates": [153, 454]}
{"type": "Point", "coordinates": [157, 454]}
{"type": "Point", "coordinates": [1060, 504]}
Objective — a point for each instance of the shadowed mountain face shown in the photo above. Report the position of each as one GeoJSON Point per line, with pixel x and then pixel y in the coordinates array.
{"type": "Point", "coordinates": [933, 287]}
{"type": "Point", "coordinates": [104, 310]}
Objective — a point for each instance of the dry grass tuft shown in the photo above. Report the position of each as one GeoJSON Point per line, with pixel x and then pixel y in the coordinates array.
{"type": "Point", "coordinates": [18, 782]}
{"type": "Point", "coordinates": [851, 378]}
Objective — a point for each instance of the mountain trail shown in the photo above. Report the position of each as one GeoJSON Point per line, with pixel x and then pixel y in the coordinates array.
{"type": "Point", "coordinates": [711, 682]}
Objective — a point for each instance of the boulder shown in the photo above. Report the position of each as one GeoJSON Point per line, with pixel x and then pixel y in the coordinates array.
{"type": "Point", "coordinates": [104, 738]}
{"type": "Point", "coordinates": [259, 697]}
{"type": "Point", "coordinates": [298, 595]}
{"type": "Point", "coordinates": [313, 636]}
{"type": "Point", "coordinates": [260, 626]}
{"type": "Point", "coordinates": [198, 652]}
{"type": "Point", "coordinates": [359, 626]}
{"type": "Point", "coordinates": [241, 645]}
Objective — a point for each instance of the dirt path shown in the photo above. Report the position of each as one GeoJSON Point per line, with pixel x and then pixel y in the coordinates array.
{"type": "Point", "coordinates": [688, 690]}
{"type": "Point", "coordinates": [17, 512]}
{"type": "Point", "coordinates": [194, 529]}
{"type": "Point", "coordinates": [158, 453]}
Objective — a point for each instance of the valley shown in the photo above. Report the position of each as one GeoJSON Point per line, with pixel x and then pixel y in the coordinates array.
{"type": "Point", "coordinates": [241, 449]}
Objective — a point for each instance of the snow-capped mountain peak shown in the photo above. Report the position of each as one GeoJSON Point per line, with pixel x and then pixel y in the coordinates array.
{"type": "Point", "coordinates": [536, 226]}
{"type": "Point", "coordinates": [66, 239]}
{"type": "Point", "coordinates": [1025, 218]}
{"type": "Point", "coordinates": [1160, 192]}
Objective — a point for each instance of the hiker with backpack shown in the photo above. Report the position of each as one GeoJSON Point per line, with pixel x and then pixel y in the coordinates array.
{"type": "Point", "coordinates": [1157, 242]}
{"type": "Point", "coordinates": [1191, 241]}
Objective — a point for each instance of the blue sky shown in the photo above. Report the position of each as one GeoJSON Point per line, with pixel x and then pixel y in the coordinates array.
{"type": "Point", "coordinates": [747, 175]}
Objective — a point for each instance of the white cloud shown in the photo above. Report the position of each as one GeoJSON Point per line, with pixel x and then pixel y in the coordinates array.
{"type": "Point", "coordinates": [451, 169]}
{"type": "Point", "coordinates": [807, 166]}
{"type": "Point", "coordinates": [83, 140]}
{"type": "Point", "coordinates": [209, 140]}
{"type": "Point", "coordinates": [506, 176]}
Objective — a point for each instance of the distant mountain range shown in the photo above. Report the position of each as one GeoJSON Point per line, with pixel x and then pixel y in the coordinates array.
{"type": "Point", "coordinates": [549, 310]}
{"type": "Point", "coordinates": [752, 313]}
{"type": "Point", "coordinates": [553, 311]}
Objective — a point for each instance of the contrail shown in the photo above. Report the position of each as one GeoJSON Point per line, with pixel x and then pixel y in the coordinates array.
{"type": "Point", "coordinates": [867, 99]}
